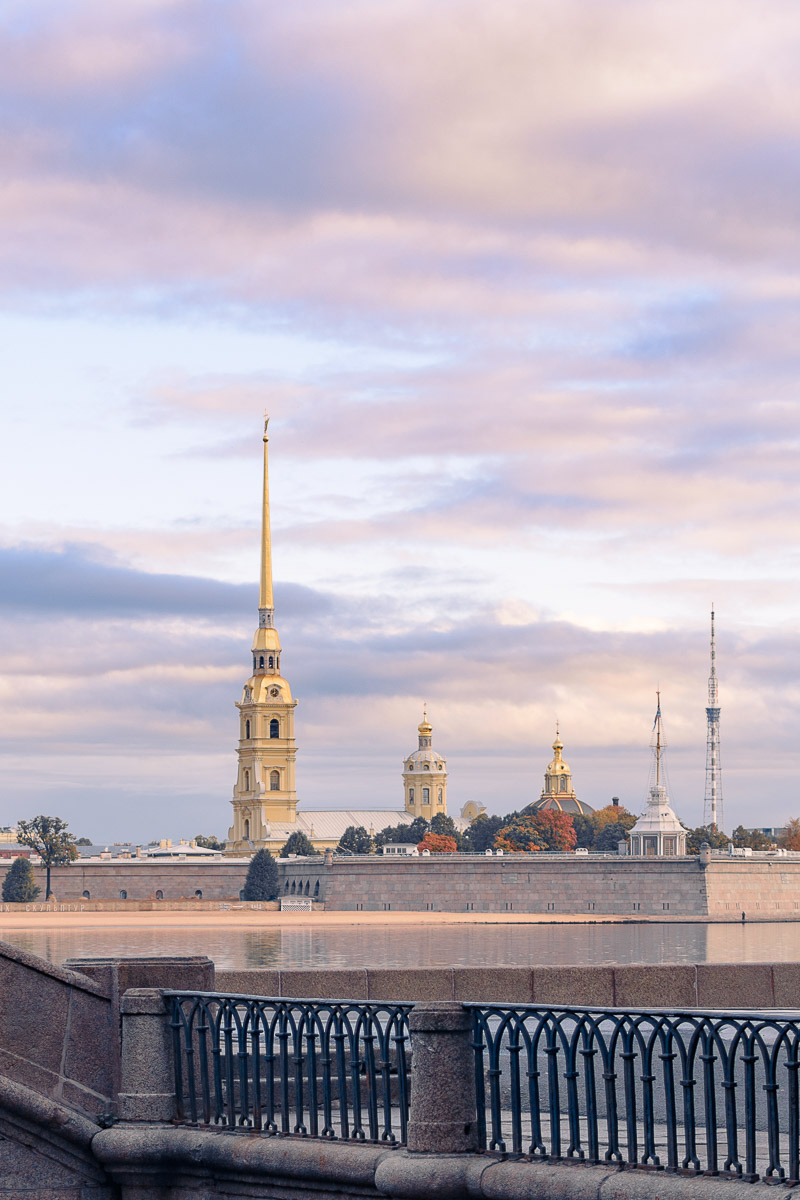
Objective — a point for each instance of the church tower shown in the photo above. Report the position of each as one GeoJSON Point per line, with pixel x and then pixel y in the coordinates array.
{"type": "Point", "coordinates": [425, 777]}
{"type": "Point", "coordinates": [265, 784]}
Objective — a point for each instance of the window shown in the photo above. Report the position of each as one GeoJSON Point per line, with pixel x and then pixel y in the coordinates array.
{"type": "Point", "coordinates": [427, 766]}
{"type": "Point", "coordinates": [198, 894]}
{"type": "Point", "coordinates": [274, 781]}
{"type": "Point", "coordinates": [441, 796]}
{"type": "Point", "coordinates": [411, 793]}
{"type": "Point", "coordinates": [411, 766]}
{"type": "Point", "coordinates": [247, 781]}
{"type": "Point", "coordinates": [272, 660]}
{"type": "Point", "coordinates": [316, 889]}
{"type": "Point", "coordinates": [562, 783]}
{"type": "Point", "coordinates": [308, 888]}
{"type": "Point", "coordinates": [123, 895]}
{"type": "Point", "coordinates": [159, 894]}
{"type": "Point", "coordinates": [247, 729]}
{"type": "Point", "coordinates": [426, 795]}
{"type": "Point", "coordinates": [287, 885]}
{"type": "Point", "coordinates": [669, 846]}
{"type": "Point", "coordinates": [247, 830]}
{"type": "Point", "coordinates": [293, 888]}
{"type": "Point", "coordinates": [86, 895]}
{"type": "Point", "coordinates": [261, 661]}
{"type": "Point", "coordinates": [274, 728]}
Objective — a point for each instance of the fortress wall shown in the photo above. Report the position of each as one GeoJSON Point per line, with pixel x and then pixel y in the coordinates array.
{"type": "Point", "coordinates": [514, 883]}
{"type": "Point", "coordinates": [760, 887]}
{"type": "Point", "coordinates": [141, 878]}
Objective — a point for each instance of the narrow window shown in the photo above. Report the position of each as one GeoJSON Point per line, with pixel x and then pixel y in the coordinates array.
{"type": "Point", "coordinates": [292, 887]}
{"type": "Point", "coordinates": [426, 795]}
{"type": "Point", "coordinates": [316, 889]}
{"type": "Point", "coordinates": [272, 660]}
{"type": "Point", "coordinates": [247, 831]}
{"type": "Point", "coordinates": [441, 797]}
{"type": "Point", "coordinates": [123, 895]}
{"type": "Point", "coordinates": [274, 781]}
{"type": "Point", "coordinates": [308, 887]}
{"type": "Point", "coordinates": [274, 728]}
{"type": "Point", "coordinates": [411, 793]}
{"type": "Point", "coordinates": [159, 894]}
{"type": "Point", "coordinates": [562, 783]}
{"type": "Point", "coordinates": [261, 661]}
{"type": "Point", "coordinates": [247, 729]}
{"type": "Point", "coordinates": [287, 885]}
{"type": "Point", "coordinates": [247, 781]}
{"type": "Point", "coordinates": [86, 895]}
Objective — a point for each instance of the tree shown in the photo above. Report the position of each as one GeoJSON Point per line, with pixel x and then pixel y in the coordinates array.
{"type": "Point", "coordinates": [209, 842]}
{"type": "Point", "coordinates": [790, 838]}
{"type": "Point", "coordinates": [438, 843]}
{"type": "Point", "coordinates": [445, 826]}
{"type": "Point", "coordinates": [753, 838]}
{"type": "Point", "coordinates": [543, 830]}
{"type": "Point", "coordinates": [19, 885]}
{"type": "Point", "coordinates": [585, 830]}
{"type": "Point", "coordinates": [49, 838]}
{"type": "Point", "coordinates": [262, 877]}
{"type": "Point", "coordinates": [610, 836]}
{"type": "Point", "coordinates": [298, 843]}
{"type": "Point", "coordinates": [612, 814]}
{"type": "Point", "coordinates": [405, 835]}
{"type": "Point", "coordinates": [84, 842]}
{"type": "Point", "coordinates": [354, 840]}
{"type": "Point", "coordinates": [480, 835]}
{"type": "Point", "coordinates": [716, 839]}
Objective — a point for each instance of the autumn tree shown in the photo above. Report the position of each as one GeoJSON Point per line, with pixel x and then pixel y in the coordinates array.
{"type": "Point", "coordinates": [49, 838]}
{"type": "Point", "coordinates": [438, 843]}
{"type": "Point", "coordinates": [480, 834]}
{"type": "Point", "coordinates": [790, 838]}
{"type": "Point", "coordinates": [543, 830]}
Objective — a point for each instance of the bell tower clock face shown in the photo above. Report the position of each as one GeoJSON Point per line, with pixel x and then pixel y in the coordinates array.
{"type": "Point", "coordinates": [274, 692]}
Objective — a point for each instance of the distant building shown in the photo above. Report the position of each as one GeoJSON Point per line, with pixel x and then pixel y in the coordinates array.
{"type": "Point", "coordinates": [265, 805]}
{"type": "Point", "coordinates": [658, 832]}
{"type": "Point", "coordinates": [558, 794]}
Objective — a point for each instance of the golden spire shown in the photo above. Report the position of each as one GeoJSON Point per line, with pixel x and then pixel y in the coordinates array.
{"type": "Point", "coordinates": [265, 600]}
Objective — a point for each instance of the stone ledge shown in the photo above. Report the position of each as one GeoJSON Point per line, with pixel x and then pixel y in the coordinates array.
{"type": "Point", "coordinates": [42, 967]}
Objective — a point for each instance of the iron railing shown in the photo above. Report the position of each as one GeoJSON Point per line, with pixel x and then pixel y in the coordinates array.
{"type": "Point", "coordinates": [715, 1092]}
{"type": "Point", "coordinates": [330, 1069]}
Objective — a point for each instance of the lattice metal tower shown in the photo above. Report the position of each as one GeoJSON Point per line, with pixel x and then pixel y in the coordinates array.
{"type": "Point", "coordinates": [712, 814]}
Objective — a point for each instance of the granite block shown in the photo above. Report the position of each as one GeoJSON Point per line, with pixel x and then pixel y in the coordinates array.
{"type": "Point", "coordinates": [33, 1014]}
{"type": "Point", "coordinates": [502, 985]}
{"type": "Point", "coordinates": [91, 1042]}
{"type": "Point", "coordinates": [400, 983]}
{"type": "Point", "coordinates": [786, 984]}
{"type": "Point", "coordinates": [248, 983]}
{"type": "Point", "coordinates": [325, 985]}
{"type": "Point", "coordinates": [573, 985]}
{"type": "Point", "coordinates": [655, 986]}
{"type": "Point", "coordinates": [734, 985]}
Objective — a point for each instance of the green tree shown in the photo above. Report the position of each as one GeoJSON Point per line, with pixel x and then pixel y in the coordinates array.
{"type": "Point", "coordinates": [19, 885]}
{"type": "Point", "coordinates": [753, 838]}
{"type": "Point", "coordinates": [480, 835]}
{"type": "Point", "coordinates": [84, 842]}
{"type": "Point", "coordinates": [354, 840]}
{"type": "Point", "coordinates": [585, 830]}
{"type": "Point", "coordinates": [609, 837]}
{"type": "Point", "coordinates": [298, 843]}
{"type": "Point", "coordinates": [405, 835]}
{"type": "Point", "coordinates": [209, 842]}
{"type": "Point", "coordinates": [716, 839]}
{"type": "Point", "coordinates": [262, 877]}
{"type": "Point", "coordinates": [49, 838]}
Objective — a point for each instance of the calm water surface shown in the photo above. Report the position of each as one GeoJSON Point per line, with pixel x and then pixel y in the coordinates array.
{"type": "Point", "coordinates": [432, 946]}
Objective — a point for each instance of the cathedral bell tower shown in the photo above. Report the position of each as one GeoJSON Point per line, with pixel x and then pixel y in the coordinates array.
{"type": "Point", "coordinates": [265, 784]}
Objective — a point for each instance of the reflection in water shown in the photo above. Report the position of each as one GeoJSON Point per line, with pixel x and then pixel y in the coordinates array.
{"type": "Point", "coordinates": [431, 945]}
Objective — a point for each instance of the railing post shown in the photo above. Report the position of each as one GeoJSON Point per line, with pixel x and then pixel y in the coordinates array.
{"type": "Point", "coordinates": [443, 1116]}
{"type": "Point", "coordinates": [147, 1086]}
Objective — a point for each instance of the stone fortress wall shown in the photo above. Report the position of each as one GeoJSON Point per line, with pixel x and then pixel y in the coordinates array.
{"type": "Point", "coordinates": [764, 888]}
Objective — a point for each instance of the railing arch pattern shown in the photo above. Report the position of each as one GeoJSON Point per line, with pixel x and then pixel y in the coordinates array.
{"type": "Point", "coordinates": [713, 1093]}
{"type": "Point", "coordinates": [330, 1069]}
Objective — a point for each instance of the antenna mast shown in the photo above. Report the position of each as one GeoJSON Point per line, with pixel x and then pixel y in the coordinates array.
{"type": "Point", "coordinates": [712, 813]}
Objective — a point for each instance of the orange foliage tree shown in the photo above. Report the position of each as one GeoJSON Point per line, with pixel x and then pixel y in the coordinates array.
{"type": "Point", "coordinates": [790, 838]}
{"type": "Point", "coordinates": [547, 830]}
{"type": "Point", "coordinates": [438, 843]}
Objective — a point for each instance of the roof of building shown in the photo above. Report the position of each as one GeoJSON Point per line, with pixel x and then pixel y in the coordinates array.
{"type": "Point", "coordinates": [555, 803]}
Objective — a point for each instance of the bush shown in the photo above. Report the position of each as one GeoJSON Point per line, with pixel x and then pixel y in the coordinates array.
{"type": "Point", "coordinates": [19, 885]}
{"type": "Point", "coordinates": [262, 877]}
{"type": "Point", "coordinates": [438, 843]}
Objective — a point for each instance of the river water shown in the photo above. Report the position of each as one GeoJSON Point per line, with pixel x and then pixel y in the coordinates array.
{"type": "Point", "coordinates": [431, 945]}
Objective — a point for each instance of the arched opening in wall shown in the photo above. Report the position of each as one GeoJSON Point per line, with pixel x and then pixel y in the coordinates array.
{"type": "Point", "coordinates": [287, 885]}
{"type": "Point", "coordinates": [441, 796]}
{"type": "Point", "coordinates": [241, 893]}
{"type": "Point", "coordinates": [247, 729]}
{"type": "Point", "coordinates": [198, 894]}
{"type": "Point", "coordinates": [159, 894]}
{"type": "Point", "coordinates": [411, 795]}
{"type": "Point", "coordinates": [86, 895]}
{"type": "Point", "coordinates": [426, 795]}
{"type": "Point", "coordinates": [123, 895]}
{"type": "Point", "coordinates": [308, 887]}
{"type": "Point", "coordinates": [562, 783]}
{"type": "Point", "coordinates": [247, 781]}
{"type": "Point", "coordinates": [272, 660]}
{"type": "Point", "coordinates": [274, 728]}
{"type": "Point", "coordinates": [274, 781]}
{"type": "Point", "coordinates": [293, 889]}
{"type": "Point", "coordinates": [316, 889]}
{"type": "Point", "coordinates": [261, 661]}
{"type": "Point", "coordinates": [247, 830]}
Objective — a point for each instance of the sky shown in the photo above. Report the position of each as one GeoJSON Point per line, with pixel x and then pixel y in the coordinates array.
{"type": "Point", "coordinates": [519, 285]}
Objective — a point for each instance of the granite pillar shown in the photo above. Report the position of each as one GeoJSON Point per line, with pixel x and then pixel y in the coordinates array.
{"type": "Point", "coordinates": [443, 1117]}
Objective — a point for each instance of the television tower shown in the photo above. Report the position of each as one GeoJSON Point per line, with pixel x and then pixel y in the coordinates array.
{"type": "Point", "coordinates": [712, 813]}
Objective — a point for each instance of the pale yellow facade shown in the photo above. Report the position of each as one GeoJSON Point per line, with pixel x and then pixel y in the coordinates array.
{"type": "Point", "coordinates": [425, 777]}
